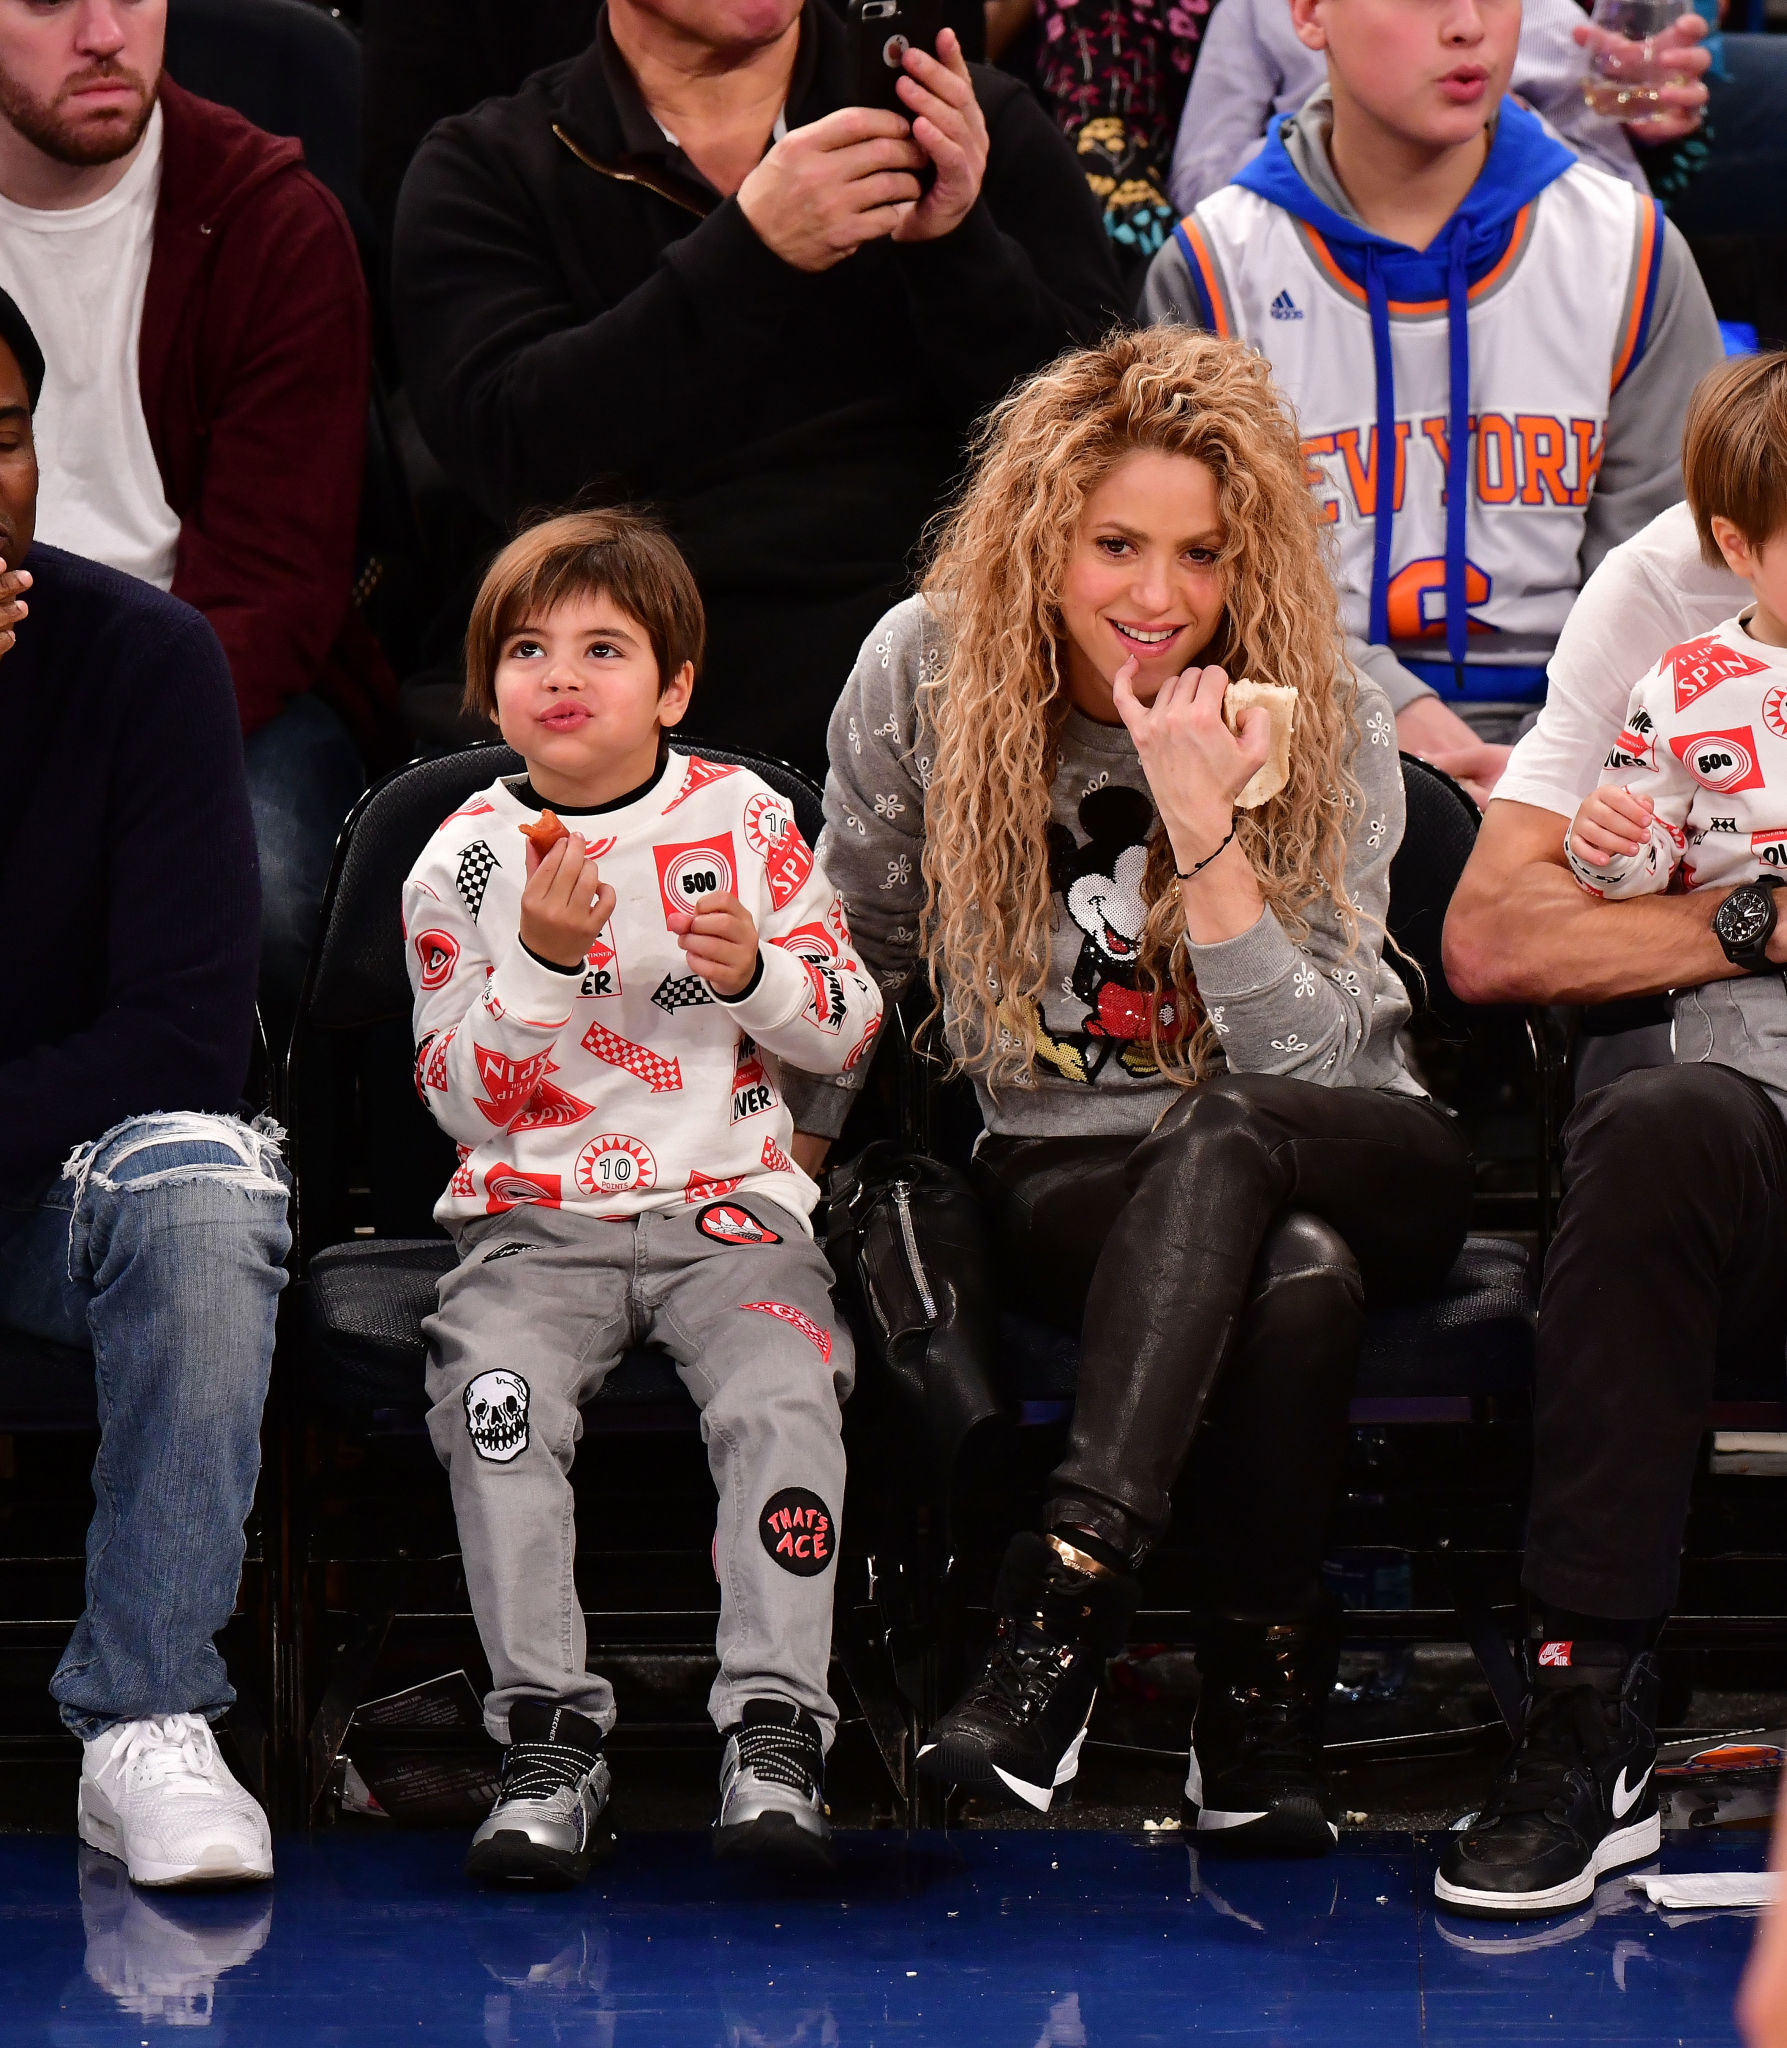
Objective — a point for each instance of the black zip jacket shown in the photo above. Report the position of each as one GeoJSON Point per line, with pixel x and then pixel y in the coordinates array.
{"type": "Point", "coordinates": [578, 310]}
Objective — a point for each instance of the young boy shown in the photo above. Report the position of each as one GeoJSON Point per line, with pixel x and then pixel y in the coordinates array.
{"type": "Point", "coordinates": [1489, 346]}
{"type": "Point", "coordinates": [1697, 779]}
{"type": "Point", "coordinates": [597, 1026]}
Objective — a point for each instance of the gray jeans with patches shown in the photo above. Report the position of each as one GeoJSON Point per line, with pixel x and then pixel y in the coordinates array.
{"type": "Point", "coordinates": [522, 1336]}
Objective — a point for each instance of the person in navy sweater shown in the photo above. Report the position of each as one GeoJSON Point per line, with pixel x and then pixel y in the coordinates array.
{"type": "Point", "coordinates": [140, 1217]}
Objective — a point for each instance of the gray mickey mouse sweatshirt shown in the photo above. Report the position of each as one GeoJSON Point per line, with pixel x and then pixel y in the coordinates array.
{"type": "Point", "coordinates": [1312, 1010]}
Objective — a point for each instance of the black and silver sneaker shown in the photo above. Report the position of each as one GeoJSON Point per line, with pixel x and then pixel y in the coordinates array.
{"type": "Point", "coordinates": [550, 1820]}
{"type": "Point", "coordinates": [772, 1787]}
{"type": "Point", "coordinates": [1255, 1782]}
{"type": "Point", "coordinates": [1016, 1732]}
{"type": "Point", "coordinates": [1576, 1798]}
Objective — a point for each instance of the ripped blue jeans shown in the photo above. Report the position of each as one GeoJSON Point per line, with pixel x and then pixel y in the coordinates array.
{"type": "Point", "coordinates": [162, 1249]}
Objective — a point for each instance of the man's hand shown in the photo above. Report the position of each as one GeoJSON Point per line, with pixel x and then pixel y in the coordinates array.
{"type": "Point", "coordinates": [826, 189]}
{"type": "Point", "coordinates": [719, 939]}
{"type": "Point", "coordinates": [13, 583]}
{"type": "Point", "coordinates": [1610, 825]}
{"type": "Point", "coordinates": [1425, 727]}
{"type": "Point", "coordinates": [565, 904]}
{"type": "Point", "coordinates": [948, 125]}
{"type": "Point", "coordinates": [1683, 106]}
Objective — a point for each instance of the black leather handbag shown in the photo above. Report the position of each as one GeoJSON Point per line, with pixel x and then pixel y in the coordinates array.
{"type": "Point", "coordinates": [908, 1243]}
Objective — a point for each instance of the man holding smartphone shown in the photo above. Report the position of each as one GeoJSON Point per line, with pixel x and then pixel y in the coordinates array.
{"type": "Point", "coordinates": [686, 267]}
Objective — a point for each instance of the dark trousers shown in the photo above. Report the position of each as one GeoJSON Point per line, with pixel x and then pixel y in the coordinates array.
{"type": "Point", "coordinates": [1219, 1272]}
{"type": "Point", "coordinates": [1669, 1266]}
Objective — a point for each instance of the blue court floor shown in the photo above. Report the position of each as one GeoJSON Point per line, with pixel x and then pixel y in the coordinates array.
{"type": "Point", "coordinates": [1019, 1940]}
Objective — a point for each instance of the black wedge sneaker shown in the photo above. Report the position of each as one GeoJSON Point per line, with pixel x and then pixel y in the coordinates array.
{"type": "Point", "coordinates": [1255, 1782]}
{"type": "Point", "coordinates": [1016, 1732]}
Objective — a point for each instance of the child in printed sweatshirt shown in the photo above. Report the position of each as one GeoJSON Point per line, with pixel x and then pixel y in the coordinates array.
{"type": "Point", "coordinates": [598, 1013]}
{"type": "Point", "coordinates": [1696, 782]}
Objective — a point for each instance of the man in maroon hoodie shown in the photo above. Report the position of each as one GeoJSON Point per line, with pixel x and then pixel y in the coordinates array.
{"type": "Point", "coordinates": [201, 299]}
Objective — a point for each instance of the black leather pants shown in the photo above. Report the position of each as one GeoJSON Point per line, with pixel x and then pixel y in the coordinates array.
{"type": "Point", "coordinates": [1219, 1272]}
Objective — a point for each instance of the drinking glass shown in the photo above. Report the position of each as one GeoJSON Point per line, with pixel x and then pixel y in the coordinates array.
{"type": "Point", "coordinates": [1626, 71]}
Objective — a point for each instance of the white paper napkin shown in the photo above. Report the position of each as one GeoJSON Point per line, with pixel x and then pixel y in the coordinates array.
{"type": "Point", "coordinates": [1685, 1890]}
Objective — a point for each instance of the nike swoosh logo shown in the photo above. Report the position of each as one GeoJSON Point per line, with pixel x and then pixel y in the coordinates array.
{"type": "Point", "coordinates": [1031, 1795]}
{"type": "Point", "coordinates": [1624, 1797]}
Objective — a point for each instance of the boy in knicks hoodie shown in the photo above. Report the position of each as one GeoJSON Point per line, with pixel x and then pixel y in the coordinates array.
{"type": "Point", "coordinates": [598, 1014]}
{"type": "Point", "coordinates": [1489, 346]}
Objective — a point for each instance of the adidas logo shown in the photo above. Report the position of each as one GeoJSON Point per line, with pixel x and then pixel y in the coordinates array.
{"type": "Point", "coordinates": [1285, 308]}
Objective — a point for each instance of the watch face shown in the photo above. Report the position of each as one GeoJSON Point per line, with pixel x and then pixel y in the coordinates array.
{"type": "Point", "coordinates": [1743, 917]}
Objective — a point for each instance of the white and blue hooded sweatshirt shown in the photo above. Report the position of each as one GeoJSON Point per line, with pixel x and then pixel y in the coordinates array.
{"type": "Point", "coordinates": [1527, 373]}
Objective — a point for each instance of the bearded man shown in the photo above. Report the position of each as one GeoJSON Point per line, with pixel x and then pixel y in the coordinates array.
{"type": "Point", "coordinates": [202, 309]}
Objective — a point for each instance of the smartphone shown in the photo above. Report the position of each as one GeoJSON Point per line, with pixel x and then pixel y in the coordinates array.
{"type": "Point", "coordinates": [884, 30]}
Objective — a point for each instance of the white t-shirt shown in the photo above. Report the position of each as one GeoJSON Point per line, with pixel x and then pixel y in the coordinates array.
{"type": "Point", "coordinates": [79, 277]}
{"type": "Point", "coordinates": [1650, 593]}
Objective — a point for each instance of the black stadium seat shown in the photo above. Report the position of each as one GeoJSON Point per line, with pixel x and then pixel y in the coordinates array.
{"type": "Point", "coordinates": [44, 1386]}
{"type": "Point", "coordinates": [369, 1278]}
{"type": "Point", "coordinates": [287, 66]}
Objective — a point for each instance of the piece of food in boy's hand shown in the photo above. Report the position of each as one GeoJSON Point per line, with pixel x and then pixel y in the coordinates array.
{"type": "Point", "coordinates": [545, 832]}
{"type": "Point", "coordinates": [1279, 701]}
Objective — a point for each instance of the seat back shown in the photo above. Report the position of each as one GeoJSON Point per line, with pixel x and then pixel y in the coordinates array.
{"type": "Point", "coordinates": [1436, 844]}
{"type": "Point", "coordinates": [366, 1152]}
{"type": "Point", "coordinates": [287, 66]}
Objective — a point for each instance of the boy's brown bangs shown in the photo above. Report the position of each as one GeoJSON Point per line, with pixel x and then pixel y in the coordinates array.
{"type": "Point", "coordinates": [619, 555]}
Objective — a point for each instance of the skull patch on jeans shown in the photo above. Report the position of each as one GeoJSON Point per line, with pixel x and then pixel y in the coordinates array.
{"type": "Point", "coordinates": [496, 1415]}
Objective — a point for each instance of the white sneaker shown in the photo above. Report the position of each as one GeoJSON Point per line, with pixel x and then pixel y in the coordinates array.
{"type": "Point", "coordinates": [157, 1795]}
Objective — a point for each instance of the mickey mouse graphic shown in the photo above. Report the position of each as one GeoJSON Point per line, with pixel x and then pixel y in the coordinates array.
{"type": "Point", "coordinates": [1101, 885]}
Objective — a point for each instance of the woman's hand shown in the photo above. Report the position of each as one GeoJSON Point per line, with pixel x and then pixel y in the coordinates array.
{"type": "Point", "coordinates": [565, 904]}
{"type": "Point", "coordinates": [1195, 766]}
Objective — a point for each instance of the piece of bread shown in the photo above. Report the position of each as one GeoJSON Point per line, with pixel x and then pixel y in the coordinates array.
{"type": "Point", "coordinates": [545, 833]}
{"type": "Point", "coordinates": [1280, 702]}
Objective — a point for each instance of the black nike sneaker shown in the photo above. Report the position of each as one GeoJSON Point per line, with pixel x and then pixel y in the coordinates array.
{"type": "Point", "coordinates": [1016, 1732]}
{"type": "Point", "coordinates": [1256, 1782]}
{"type": "Point", "coordinates": [1575, 1799]}
{"type": "Point", "coordinates": [550, 1821]}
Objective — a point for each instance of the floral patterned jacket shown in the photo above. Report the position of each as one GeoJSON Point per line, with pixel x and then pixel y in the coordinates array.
{"type": "Point", "coordinates": [1115, 74]}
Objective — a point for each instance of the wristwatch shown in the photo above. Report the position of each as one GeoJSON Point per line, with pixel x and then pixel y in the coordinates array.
{"type": "Point", "coordinates": [1744, 923]}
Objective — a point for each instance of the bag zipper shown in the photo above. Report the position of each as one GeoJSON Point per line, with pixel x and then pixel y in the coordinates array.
{"type": "Point", "coordinates": [902, 1194]}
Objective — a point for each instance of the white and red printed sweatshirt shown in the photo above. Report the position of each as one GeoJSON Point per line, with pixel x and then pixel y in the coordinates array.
{"type": "Point", "coordinates": [629, 1085]}
{"type": "Point", "coordinates": [1705, 739]}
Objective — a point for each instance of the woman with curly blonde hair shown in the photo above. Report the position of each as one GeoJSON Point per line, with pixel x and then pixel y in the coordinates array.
{"type": "Point", "coordinates": [1203, 1152]}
